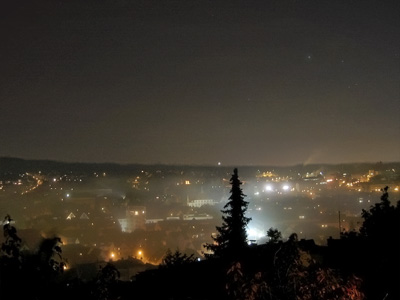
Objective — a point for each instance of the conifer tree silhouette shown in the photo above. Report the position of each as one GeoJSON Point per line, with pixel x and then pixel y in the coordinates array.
{"type": "Point", "coordinates": [231, 239]}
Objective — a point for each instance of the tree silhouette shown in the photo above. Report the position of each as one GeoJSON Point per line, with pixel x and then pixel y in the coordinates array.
{"type": "Point", "coordinates": [274, 235]}
{"type": "Point", "coordinates": [381, 222]}
{"type": "Point", "coordinates": [50, 255]}
{"type": "Point", "coordinates": [176, 259]}
{"type": "Point", "coordinates": [381, 230]}
{"type": "Point", "coordinates": [12, 244]}
{"type": "Point", "coordinates": [10, 260]}
{"type": "Point", "coordinates": [231, 239]}
{"type": "Point", "coordinates": [378, 245]}
{"type": "Point", "coordinates": [107, 278]}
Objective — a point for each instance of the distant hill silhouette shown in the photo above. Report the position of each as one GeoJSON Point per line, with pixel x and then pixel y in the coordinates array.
{"type": "Point", "coordinates": [18, 165]}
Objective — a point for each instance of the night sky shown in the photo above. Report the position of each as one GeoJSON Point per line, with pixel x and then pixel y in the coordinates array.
{"type": "Point", "coordinates": [200, 82]}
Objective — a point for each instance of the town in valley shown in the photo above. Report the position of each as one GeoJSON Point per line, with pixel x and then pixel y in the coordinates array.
{"type": "Point", "coordinates": [110, 212]}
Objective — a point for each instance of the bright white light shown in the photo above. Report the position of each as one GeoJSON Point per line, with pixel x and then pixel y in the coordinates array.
{"type": "Point", "coordinates": [268, 187]}
{"type": "Point", "coordinates": [254, 233]}
{"type": "Point", "coordinates": [285, 187]}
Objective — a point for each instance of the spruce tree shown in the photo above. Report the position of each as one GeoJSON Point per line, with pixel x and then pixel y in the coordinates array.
{"type": "Point", "coordinates": [231, 238]}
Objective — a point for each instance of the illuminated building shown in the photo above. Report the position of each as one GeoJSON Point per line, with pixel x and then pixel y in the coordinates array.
{"type": "Point", "coordinates": [135, 218]}
{"type": "Point", "coordinates": [200, 202]}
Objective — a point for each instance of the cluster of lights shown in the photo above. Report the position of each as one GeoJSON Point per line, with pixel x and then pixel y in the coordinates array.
{"type": "Point", "coordinates": [270, 188]}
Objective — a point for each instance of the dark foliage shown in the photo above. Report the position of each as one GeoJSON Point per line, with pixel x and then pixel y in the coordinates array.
{"type": "Point", "coordinates": [274, 235]}
{"type": "Point", "coordinates": [381, 229]}
{"type": "Point", "coordinates": [288, 272]}
{"type": "Point", "coordinates": [381, 222]}
{"type": "Point", "coordinates": [231, 240]}
{"type": "Point", "coordinates": [203, 280]}
{"type": "Point", "coordinates": [11, 260]}
{"type": "Point", "coordinates": [50, 256]}
{"type": "Point", "coordinates": [107, 279]}
{"type": "Point", "coordinates": [11, 246]}
{"type": "Point", "coordinates": [25, 272]}
{"type": "Point", "coordinates": [176, 259]}
{"type": "Point", "coordinates": [374, 251]}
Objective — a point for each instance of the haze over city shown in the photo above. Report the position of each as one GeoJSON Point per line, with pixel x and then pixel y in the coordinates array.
{"type": "Point", "coordinates": [200, 82]}
{"type": "Point", "coordinates": [118, 209]}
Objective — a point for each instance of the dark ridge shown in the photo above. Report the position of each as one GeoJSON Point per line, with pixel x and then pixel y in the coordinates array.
{"type": "Point", "coordinates": [18, 165]}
